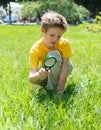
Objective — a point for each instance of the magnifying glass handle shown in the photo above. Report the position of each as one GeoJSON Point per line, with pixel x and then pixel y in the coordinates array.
{"type": "Point", "coordinates": [47, 68]}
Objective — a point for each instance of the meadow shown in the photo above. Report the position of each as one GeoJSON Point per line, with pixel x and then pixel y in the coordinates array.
{"type": "Point", "coordinates": [24, 106]}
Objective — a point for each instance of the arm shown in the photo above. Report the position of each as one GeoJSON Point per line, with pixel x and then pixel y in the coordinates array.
{"type": "Point", "coordinates": [63, 76]}
{"type": "Point", "coordinates": [35, 75]}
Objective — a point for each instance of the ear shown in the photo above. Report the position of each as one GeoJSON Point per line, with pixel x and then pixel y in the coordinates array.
{"type": "Point", "coordinates": [43, 30]}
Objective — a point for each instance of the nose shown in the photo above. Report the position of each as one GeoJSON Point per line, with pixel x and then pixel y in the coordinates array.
{"type": "Point", "coordinates": [55, 39]}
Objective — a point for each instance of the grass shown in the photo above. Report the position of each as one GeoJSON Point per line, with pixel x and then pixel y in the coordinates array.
{"type": "Point", "coordinates": [27, 107]}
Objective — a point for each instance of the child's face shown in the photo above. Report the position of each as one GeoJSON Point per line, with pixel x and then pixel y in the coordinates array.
{"type": "Point", "coordinates": [51, 36]}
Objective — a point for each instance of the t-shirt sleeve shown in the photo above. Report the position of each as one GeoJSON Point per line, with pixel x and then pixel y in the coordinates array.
{"type": "Point", "coordinates": [67, 51]}
{"type": "Point", "coordinates": [33, 59]}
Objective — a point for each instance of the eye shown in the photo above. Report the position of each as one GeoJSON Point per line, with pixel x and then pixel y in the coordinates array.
{"type": "Point", "coordinates": [59, 36]}
{"type": "Point", "coordinates": [52, 35]}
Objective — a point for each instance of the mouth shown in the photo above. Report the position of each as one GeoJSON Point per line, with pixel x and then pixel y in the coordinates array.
{"type": "Point", "coordinates": [53, 43]}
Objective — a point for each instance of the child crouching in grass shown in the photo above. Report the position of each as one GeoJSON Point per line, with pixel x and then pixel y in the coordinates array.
{"type": "Point", "coordinates": [53, 26]}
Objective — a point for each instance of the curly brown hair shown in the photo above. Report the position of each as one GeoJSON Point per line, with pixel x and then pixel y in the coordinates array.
{"type": "Point", "coordinates": [53, 19]}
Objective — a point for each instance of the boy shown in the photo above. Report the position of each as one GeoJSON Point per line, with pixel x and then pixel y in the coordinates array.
{"type": "Point", "coordinates": [53, 26]}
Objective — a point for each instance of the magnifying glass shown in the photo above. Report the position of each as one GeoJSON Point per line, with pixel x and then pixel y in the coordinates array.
{"type": "Point", "coordinates": [49, 62]}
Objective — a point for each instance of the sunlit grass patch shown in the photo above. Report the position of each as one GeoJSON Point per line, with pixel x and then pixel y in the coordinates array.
{"type": "Point", "coordinates": [24, 106]}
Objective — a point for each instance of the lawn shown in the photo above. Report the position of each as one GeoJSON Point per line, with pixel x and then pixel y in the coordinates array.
{"type": "Point", "coordinates": [24, 106]}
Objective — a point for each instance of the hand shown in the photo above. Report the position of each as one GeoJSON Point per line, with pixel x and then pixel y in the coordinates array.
{"type": "Point", "coordinates": [60, 92]}
{"type": "Point", "coordinates": [43, 73]}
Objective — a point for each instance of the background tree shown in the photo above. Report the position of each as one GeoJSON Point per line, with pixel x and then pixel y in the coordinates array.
{"type": "Point", "coordinates": [69, 9]}
{"type": "Point", "coordinates": [94, 6]}
{"type": "Point", "coordinates": [4, 3]}
{"type": "Point", "coordinates": [29, 11]}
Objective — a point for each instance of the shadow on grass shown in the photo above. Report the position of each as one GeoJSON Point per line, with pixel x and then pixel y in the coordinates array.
{"type": "Point", "coordinates": [43, 95]}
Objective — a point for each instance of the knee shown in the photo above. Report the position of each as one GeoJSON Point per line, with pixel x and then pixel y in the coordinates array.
{"type": "Point", "coordinates": [57, 54]}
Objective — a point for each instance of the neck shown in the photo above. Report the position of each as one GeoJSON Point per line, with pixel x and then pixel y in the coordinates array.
{"type": "Point", "coordinates": [49, 47]}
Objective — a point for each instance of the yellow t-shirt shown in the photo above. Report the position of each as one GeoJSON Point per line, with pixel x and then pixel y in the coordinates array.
{"type": "Point", "coordinates": [38, 51]}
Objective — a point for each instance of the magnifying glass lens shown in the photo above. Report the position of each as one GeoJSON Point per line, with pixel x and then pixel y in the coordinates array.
{"type": "Point", "coordinates": [50, 62]}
